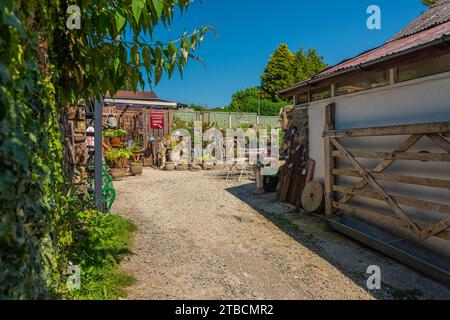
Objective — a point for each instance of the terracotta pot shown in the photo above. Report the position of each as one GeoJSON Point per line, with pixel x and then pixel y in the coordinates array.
{"type": "Point", "coordinates": [115, 142]}
{"type": "Point", "coordinates": [117, 173]}
{"type": "Point", "coordinates": [136, 168]}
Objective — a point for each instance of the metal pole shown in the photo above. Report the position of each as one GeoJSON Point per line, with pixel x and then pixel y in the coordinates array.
{"type": "Point", "coordinates": [98, 157]}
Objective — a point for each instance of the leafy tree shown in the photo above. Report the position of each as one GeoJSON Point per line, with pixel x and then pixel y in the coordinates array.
{"type": "Point", "coordinates": [252, 100]}
{"type": "Point", "coordinates": [306, 64]}
{"type": "Point", "coordinates": [278, 73]}
{"type": "Point", "coordinates": [429, 2]}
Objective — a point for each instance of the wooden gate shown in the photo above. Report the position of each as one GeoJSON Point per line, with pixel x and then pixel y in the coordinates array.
{"type": "Point", "coordinates": [369, 186]}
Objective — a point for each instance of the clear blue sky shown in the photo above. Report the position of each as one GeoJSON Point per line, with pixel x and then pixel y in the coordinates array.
{"type": "Point", "coordinates": [248, 31]}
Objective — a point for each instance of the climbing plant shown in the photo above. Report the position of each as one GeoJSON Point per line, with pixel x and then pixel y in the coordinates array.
{"type": "Point", "coordinates": [44, 66]}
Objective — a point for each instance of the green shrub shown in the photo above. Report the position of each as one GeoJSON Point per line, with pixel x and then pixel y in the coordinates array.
{"type": "Point", "coordinates": [113, 133]}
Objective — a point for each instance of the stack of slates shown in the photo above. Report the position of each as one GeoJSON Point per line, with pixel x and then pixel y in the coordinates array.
{"type": "Point", "coordinates": [298, 169]}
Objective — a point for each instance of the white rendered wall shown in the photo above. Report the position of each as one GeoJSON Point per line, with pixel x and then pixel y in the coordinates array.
{"type": "Point", "coordinates": [418, 101]}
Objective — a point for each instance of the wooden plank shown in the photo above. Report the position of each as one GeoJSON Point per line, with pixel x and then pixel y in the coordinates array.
{"type": "Point", "coordinates": [421, 204]}
{"type": "Point", "coordinates": [408, 143]}
{"type": "Point", "coordinates": [440, 141]}
{"type": "Point", "coordinates": [420, 181]}
{"type": "Point", "coordinates": [434, 229]}
{"type": "Point", "coordinates": [436, 157]}
{"type": "Point", "coordinates": [329, 160]}
{"type": "Point", "coordinates": [371, 181]}
{"type": "Point", "coordinates": [373, 216]}
{"type": "Point", "coordinates": [426, 128]}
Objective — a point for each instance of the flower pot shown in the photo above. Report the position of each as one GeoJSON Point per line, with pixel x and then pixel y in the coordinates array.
{"type": "Point", "coordinates": [117, 173]}
{"type": "Point", "coordinates": [115, 142]}
{"type": "Point", "coordinates": [208, 165]}
{"type": "Point", "coordinates": [170, 166]}
{"type": "Point", "coordinates": [136, 168]}
{"type": "Point", "coordinates": [182, 167]}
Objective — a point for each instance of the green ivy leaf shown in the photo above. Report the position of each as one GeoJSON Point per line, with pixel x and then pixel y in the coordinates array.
{"type": "Point", "coordinates": [137, 7]}
{"type": "Point", "coordinates": [12, 21]}
{"type": "Point", "coordinates": [120, 21]}
{"type": "Point", "coordinates": [158, 4]}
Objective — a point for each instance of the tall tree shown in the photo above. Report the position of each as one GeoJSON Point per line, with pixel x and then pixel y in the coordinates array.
{"type": "Point", "coordinates": [252, 100]}
{"type": "Point", "coordinates": [278, 74]}
{"type": "Point", "coordinates": [306, 64]}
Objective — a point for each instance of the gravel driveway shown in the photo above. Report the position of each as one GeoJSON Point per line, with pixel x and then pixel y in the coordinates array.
{"type": "Point", "coordinates": [200, 237]}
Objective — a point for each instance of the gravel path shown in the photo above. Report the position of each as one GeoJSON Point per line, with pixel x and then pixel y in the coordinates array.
{"type": "Point", "coordinates": [197, 240]}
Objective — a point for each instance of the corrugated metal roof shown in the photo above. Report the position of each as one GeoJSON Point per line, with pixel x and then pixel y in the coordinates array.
{"type": "Point", "coordinates": [437, 14]}
{"type": "Point", "coordinates": [134, 95]}
{"type": "Point", "coordinates": [391, 48]}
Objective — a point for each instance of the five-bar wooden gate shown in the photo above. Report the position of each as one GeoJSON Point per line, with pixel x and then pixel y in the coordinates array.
{"type": "Point", "coordinates": [369, 186]}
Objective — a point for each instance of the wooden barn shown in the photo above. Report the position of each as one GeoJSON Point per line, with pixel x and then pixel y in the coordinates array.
{"type": "Point", "coordinates": [377, 126]}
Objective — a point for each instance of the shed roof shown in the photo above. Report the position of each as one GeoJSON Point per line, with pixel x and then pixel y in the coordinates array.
{"type": "Point", "coordinates": [437, 14]}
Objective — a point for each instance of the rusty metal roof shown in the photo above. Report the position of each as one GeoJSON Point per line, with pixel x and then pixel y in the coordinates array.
{"type": "Point", "coordinates": [391, 48]}
{"type": "Point", "coordinates": [437, 14]}
{"type": "Point", "coordinates": [134, 95]}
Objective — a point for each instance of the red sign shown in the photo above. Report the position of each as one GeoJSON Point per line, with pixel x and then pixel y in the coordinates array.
{"type": "Point", "coordinates": [157, 119]}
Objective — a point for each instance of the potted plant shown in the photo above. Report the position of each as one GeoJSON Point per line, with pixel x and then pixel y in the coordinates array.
{"type": "Point", "coordinates": [117, 158]}
{"type": "Point", "coordinates": [136, 163]}
{"type": "Point", "coordinates": [114, 136]}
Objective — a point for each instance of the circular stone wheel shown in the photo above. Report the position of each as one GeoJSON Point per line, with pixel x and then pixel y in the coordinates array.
{"type": "Point", "coordinates": [313, 197]}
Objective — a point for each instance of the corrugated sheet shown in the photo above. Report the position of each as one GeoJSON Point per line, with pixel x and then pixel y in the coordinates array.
{"type": "Point", "coordinates": [391, 48]}
{"type": "Point", "coordinates": [435, 15]}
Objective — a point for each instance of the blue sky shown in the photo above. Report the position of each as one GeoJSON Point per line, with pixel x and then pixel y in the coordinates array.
{"type": "Point", "coordinates": [248, 31]}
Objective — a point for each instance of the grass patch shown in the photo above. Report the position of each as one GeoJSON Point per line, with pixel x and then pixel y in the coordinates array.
{"type": "Point", "coordinates": [100, 276]}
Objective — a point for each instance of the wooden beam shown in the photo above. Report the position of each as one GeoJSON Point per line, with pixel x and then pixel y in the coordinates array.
{"type": "Point", "coordinates": [371, 181]}
{"type": "Point", "coordinates": [427, 128]}
{"type": "Point", "coordinates": [374, 216]}
{"type": "Point", "coordinates": [440, 141]}
{"type": "Point", "coordinates": [329, 160]}
{"type": "Point", "coordinates": [436, 157]}
{"type": "Point", "coordinates": [420, 181]}
{"type": "Point", "coordinates": [421, 204]}
{"type": "Point", "coordinates": [408, 143]}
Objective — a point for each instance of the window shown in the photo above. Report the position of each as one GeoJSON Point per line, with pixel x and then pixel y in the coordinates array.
{"type": "Point", "coordinates": [363, 82]}
{"type": "Point", "coordinates": [322, 93]}
{"type": "Point", "coordinates": [424, 68]}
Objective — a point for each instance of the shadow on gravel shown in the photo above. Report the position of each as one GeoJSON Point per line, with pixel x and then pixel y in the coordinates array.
{"type": "Point", "coordinates": [349, 257]}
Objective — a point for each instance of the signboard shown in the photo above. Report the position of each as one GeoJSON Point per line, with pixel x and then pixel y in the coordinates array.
{"type": "Point", "coordinates": [157, 119]}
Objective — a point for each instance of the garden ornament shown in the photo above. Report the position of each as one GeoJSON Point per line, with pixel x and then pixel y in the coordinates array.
{"type": "Point", "coordinates": [111, 121]}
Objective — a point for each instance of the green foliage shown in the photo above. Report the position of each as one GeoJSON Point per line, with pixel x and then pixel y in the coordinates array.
{"type": "Point", "coordinates": [108, 240]}
{"type": "Point", "coordinates": [118, 154]}
{"type": "Point", "coordinates": [429, 2]}
{"type": "Point", "coordinates": [284, 69]}
{"type": "Point", "coordinates": [306, 64]}
{"type": "Point", "coordinates": [252, 100]}
{"type": "Point", "coordinates": [111, 50]}
{"type": "Point", "coordinates": [278, 72]}
{"type": "Point", "coordinates": [113, 133]}
{"type": "Point", "coordinates": [44, 224]}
